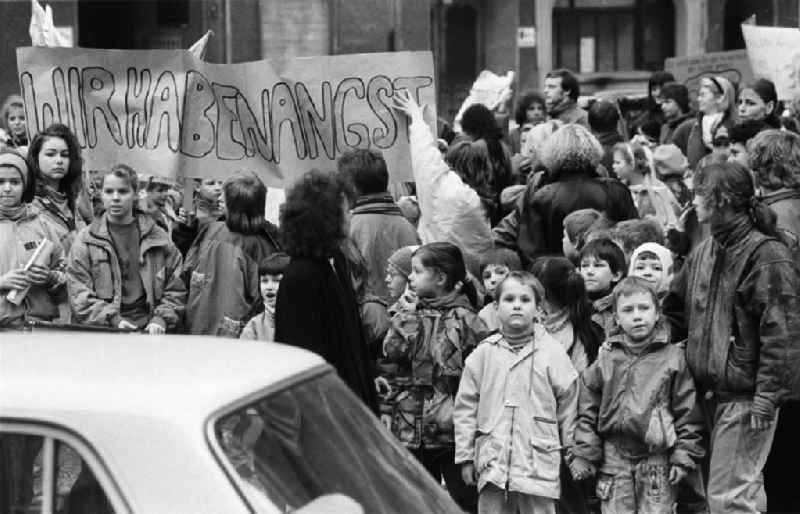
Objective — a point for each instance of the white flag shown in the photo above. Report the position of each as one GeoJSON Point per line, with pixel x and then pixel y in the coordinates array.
{"type": "Point", "coordinates": [41, 29]}
{"type": "Point", "coordinates": [199, 48]}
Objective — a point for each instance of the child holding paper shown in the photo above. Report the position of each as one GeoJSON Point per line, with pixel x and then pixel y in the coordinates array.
{"type": "Point", "coordinates": [28, 288]}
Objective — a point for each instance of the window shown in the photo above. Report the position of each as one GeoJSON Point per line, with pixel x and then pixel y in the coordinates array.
{"type": "Point", "coordinates": [43, 475]}
{"type": "Point", "coordinates": [315, 438]}
{"type": "Point", "coordinates": [612, 35]}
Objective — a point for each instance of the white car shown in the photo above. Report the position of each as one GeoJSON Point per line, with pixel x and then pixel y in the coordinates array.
{"type": "Point", "coordinates": [101, 423]}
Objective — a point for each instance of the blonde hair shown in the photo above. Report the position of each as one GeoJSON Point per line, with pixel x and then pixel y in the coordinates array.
{"type": "Point", "coordinates": [723, 89]}
{"type": "Point", "coordinates": [572, 147]}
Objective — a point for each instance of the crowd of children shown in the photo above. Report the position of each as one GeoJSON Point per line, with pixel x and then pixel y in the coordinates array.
{"type": "Point", "coordinates": [638, 366]}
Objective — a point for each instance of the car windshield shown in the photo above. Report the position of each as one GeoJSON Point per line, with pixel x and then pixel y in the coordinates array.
{"type": "Point", "coordinates": [316, 438]}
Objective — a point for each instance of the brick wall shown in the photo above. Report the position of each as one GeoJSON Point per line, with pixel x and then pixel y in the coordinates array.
{"type": "Point", "coordinates": [294, 28]}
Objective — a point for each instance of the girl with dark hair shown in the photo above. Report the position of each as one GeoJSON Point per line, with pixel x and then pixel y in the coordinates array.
{"type": "Point", "coordinates": [429, 342]}
{"type": "Point", "coordinates": [221, 267]}
{"type": "Point", "coordinates": [568, 309]}
{"type": "Point", "coordinates": [33, 293]}
{"type": "Point", "coordinates": [568, 319]}
{"type": "Point", "coordinates": [453, 200]}
{"type": "Point", "coordinates": [759, 101]}
{"type": "Point", "coordinates": [738, 299]}
{"type": "Point", "coordinates": [317, 308]}
{"type": "Point", "coordinates": [124, 271]}
{"type": "Point", "coordinates": [54, 157]}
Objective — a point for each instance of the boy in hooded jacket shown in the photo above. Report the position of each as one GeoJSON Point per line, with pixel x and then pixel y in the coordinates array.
{"type": "Point", "coordinates": [637, 415]}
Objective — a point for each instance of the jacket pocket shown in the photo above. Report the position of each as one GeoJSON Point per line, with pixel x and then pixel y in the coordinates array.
{"type": "Point", "coordinates": [102, 277]}
{"type": "Point", "coordinates": [741, 366]}
{"type": "Point", "coordinates": [546, 458]}
{"type": "Point", "coordinates": [487, 451]}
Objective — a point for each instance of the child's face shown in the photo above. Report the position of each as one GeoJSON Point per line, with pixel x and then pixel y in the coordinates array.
{"type": "Point", "coordinates": [16, 121]}
{"type": "Point", "coordinates": [738, 153]}
{"type": "Point", "coordinates": [620, 166]}
{"type": "Point", "coordinates": [651, 270]}
{"type": "Point", "coordinates": [269, 288]}
{"type": "Point", "coordinates": [493, 275]}
{"type": "Point", "coordinates": [637, 315]}
{"type": "Point", "coordinates": [395, 282]}
{"type": "Point", "coordinates": [568, 247]}
{"type": "Point", "coordinates": [597, 274]}
{"type": "Point", "coordinates": [11, 187]}
{"type": "Point", "coordinates": [516, 307]}
{"type": "Point", "coordinates": [118, 198]}
{"type": "Point", "coordinates": [670, 108]}
{"type": "Point", "coordinates": [425, 282]}
{"type": "Point", "coordinates": [210, 189]}
{"type": "Point", "coordinates": [54, 159]}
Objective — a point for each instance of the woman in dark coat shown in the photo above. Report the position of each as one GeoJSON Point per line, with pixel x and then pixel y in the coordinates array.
{"type": "Point", "coordinates": [571, 156]}
{"type": "Point", "coordinates": [316, 307]}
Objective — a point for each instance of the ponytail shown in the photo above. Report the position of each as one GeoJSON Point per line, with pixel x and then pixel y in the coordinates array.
{"type": "Point", "coordinates": [469, 290]}
{"type": "Point", "coordinates": [764, 218]}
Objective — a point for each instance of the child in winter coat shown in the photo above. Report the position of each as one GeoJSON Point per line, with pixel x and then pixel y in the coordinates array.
{"type": "Point", "coordinates": [123, 270]}
{"type": "Point", "coordinates": [428, 342]}
{"type": "Point", "coordinates": [637, 417]}
{"type": "Point", "coordinates": [515, 408]}
{"type": "Point", "coordinates": [495, 266]}
{"type": "Point", "coordinates": [398, 268]}
{"type": "Point", "coordinates": [262, 326]}
{"type": "Point", "coordinates": [633, 164]}
{"type": "Point", "coordinates": [653, 262]}
{"type": "Point", "coordinates": [21, 232]}
{"type": "Point", "coordinates": [602, 267]}
{"type": "Point", "coordinates": [221, 267]}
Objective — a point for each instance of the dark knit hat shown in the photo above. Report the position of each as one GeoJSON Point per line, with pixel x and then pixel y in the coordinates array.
{"type": "Point", "coordinates": [274, 264]}
{"type": "Point", "coordinates": [677, 92]}
{"type": "Point", "coordinates": [401, 259]}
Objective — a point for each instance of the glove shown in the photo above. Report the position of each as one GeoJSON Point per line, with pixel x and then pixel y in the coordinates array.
{"type": "Point", "coordinates": [581, 468]}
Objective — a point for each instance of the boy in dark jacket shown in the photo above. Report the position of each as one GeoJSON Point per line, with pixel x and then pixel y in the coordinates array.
{"type": "Point", "coordinates": [637, 416]}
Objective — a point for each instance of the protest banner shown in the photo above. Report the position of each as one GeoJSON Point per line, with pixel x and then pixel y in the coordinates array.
{"type": "Point", "coordinates": [775, 55]}
{"type": "Point", "coordinates": [164, 112]}
{"type": "Point", "coordinates": [733, 65]}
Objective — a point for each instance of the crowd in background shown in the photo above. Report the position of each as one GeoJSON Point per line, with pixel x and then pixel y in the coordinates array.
{"type": "Point", "coordinates": [568, 311]}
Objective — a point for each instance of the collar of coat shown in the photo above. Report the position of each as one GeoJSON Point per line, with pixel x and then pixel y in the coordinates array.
{"type": "Point", "coordinates": [381, 203]}
{"type": "Point", "coordinates": [448, 301]}
{"type": "Point", "coordinates": [604, 302]}
{"type": "Point", "coordinates": [150, 234]}
{"type": "Point", "coordinates": [658, 338]}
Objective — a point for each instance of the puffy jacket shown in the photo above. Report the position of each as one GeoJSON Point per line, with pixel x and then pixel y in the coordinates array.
{"type": "Point", "coordinates": [20, 239]}
{"type": "Point", "coordinates": [537, 228]}
{"type": "Point", "coordinates": [450, 210]}
{"type": "Point", "coordinates": [427, 347]}
{"type": "Point", "coordinates": [221, 270]}
{"type": "Point", "coordinates": [737, 298]}
{"type": "Point", "coordinates": [94, 279]}
{"type": "Point", "coordinates": [521, 447]}
{"type": "Point", "coordinates": [643, 402]}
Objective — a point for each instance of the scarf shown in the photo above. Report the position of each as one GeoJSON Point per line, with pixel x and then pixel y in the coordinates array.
{"type": "Point", "coordinates": [381, 203]}
{"type": "Point", "coordinates": [452, 299]}
{"type": "Point", "coordinates": [55, 202]}
{"type": "Point", "coordinates": [709, 124]}
{"type": "Point", "coordinates": [517, 341]}
{"type": "Point", "coordinates": [556, 325]}
{"type": "Point", "coordinates": [13, 213]}
{"type": "Point", "coordinates": [563, 105]}
{"type": "Point", "coordinates": [729, 233]}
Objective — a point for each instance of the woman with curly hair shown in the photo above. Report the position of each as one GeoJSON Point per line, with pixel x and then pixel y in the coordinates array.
{"type": "Point", "coordinates": [54, 157]}
{"type": "Point", "coordinates": [530, 111]}
{"type": "Point", "coordinates": [316, 308]}
{"type": "Point", "coordinates": [454, 192]}
{"type": "Point", "coordinates": [570, 156]}
{"type": "Point", "coordinates": [221, 267]}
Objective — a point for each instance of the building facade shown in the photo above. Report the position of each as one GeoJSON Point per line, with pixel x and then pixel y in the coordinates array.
{"type": "Point", "coordinates": [610, 43]}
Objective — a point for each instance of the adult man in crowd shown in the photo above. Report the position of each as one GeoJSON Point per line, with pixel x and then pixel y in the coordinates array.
{"type": "Point", "coordinates": [377, 226]}
{"type": "Point", "coordinates": [561, 92]}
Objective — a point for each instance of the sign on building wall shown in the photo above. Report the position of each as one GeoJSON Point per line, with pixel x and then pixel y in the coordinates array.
{"type": "Point", "coordinates": [167, 113]}
{"type": "Point", "coordinates": [733, 65]}
{"type": "Point", "coordinates": [526, 37]}
{"type": "Point", "coordinates": [775, 55]}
